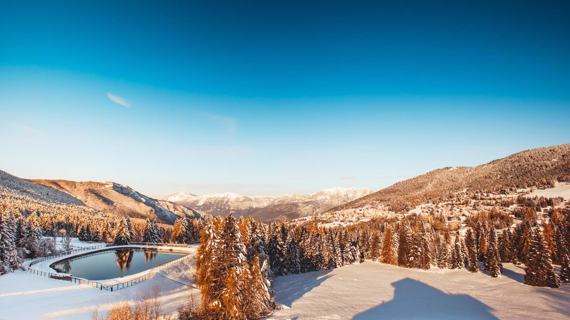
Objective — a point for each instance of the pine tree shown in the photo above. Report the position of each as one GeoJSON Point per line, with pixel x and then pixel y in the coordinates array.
{"type": "Point", "coordinates": [258, 301]}
{"type": "Point", "coordinates": [374, 246]}
{"type": "Point", "coordinates": [293, 260]}
{"type": "Point", "coordinates": [561, 246]}
{"type": "Point", "coordinates": [404, 243]}
{"type": "Point", "coordinates": [457, 258]}
{"type": "Point", "coordinates": [151, 232]}
{"type": "Point", "coordinates": [548, 235]}
{"type": "Point", "coordinates": [563, 254]}
{"type": "Point", "coordinates": [483, 242]}
{"type": "Point", "coordinates": [415, 252]}
{"type": "Point", "coordinates": [276, 250]}
{"type": "Point", "coordinates": [425, 258]}
{"type": "Point", "coordinates": [492, 264]}
{"type": "Point", "coordinates": [442, 254]}
{"type": "Point", "coordinates": [505, 246]}
{"type": "Point", "coordinates": [470, 243]}
{"type": "Point", "coordinates": [9, 259]}
{"type": "Point", "coordinates": [231, 262]}
{"type": "Point", "coordinates": [565, 268]}
{"type": "Point", "coordinates": [539, 270]}
{"type": "Point", "coordinates": [388, 247]}
{"type": "Point", "coordinates": [123, 236]}
{"type": "Point", "coordinates": [206, 277]}
{"type": "Point", "coordinates": [179, 231]}
{"type": "Point", "coordinates": [231, 296]}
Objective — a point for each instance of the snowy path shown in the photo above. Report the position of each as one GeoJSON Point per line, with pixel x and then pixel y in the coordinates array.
{"type": "Point", "coordinates": [379, 291]}
{"type": "Point", "coordinates": [26, 296]}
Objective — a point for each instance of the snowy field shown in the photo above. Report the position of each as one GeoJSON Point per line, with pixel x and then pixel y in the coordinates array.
{"type": "Point", "coordinates": [360, 291]}
{"type": "Point", "coordinates": [378, 291]}
{"type": "Point", "coordinates": [561, 189]}
{"type": "Point", "coordinates": [27, 296]}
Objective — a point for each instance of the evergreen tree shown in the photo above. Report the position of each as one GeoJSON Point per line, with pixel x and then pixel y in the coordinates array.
{"type": "Point", "coordinates": [123, 236]}
{"type": "Point", "coordinates": [180, 231]}
{"type": "Point", "coordinates": [415, 252]}
{"type": "Point", "coordinates": [388, 247]}
{"type": "Point", "coordinates": [425, 258]}
{"type": "Point", "coordinates": [276, 250]}
{"type": "Point", "coordinates": [539, 270]}
{"type": "Point", "coordinates": [206, 276]}
{"type": "Point", "coordinates": [258, 301]}
{"type": "Point", "coordinates": [470, 243]}
{"type": "Point", "coordinates": [404, 243]}
{"type": "Point", "coordinates": [374, 246]}
{"type": "Point", "coordinates": [9, 259]}
{"type": "Point", "coordinates": [457, 258]}
{"type": "Point", "coordinates": [506, 247]}
{"type": "Point", "coordinates": [492, 264]}
{"type": "Point", "coordinates": [565, 268]}
{"type": "Point", "coordinates": [561, 246]}
{"type": "Point", "coordinates": [151, 232]}
{"type": "Point", "coordinates": [293, 262]}
{"type": "Point", "coordinates": [483, 242]}
{"type": "Point", "coordinates": [32, 241]}
{"type": "Point", "coordinates": [442, 254]}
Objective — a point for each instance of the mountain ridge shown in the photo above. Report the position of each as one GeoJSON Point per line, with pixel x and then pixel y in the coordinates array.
{"type": "Point", "coordinates": [85, 197]}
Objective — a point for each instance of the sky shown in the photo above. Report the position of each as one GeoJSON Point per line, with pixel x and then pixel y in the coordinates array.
{"type": "Point", "coordinates": [276, 97]}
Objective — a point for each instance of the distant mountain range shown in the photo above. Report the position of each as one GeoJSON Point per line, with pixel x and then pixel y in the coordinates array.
{"type": "Point", "coordinates": [532, 168]}
{"type": "Point", "coordinates": [269, 208]}
{"type": "Point", "coordinates": [540, 167]}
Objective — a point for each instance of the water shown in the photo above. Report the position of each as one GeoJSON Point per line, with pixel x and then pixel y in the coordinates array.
{"type": "Point", "coordinates": [114, 263]}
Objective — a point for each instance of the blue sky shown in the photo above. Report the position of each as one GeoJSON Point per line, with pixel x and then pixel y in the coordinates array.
{"type": "Point", "coordinates": [269, 97]}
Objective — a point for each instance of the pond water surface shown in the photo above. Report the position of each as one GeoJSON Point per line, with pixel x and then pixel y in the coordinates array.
{"type": "Point", "coordinates": [114, 263]}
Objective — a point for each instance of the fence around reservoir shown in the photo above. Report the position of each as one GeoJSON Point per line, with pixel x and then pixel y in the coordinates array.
{"type": "Point", "coordinates": [65, 253]}
{"type": "Point", "coordinates": [113, 284]}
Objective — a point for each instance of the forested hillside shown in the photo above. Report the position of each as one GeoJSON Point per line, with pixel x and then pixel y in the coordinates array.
{"type": "Point", "coordinates": [532, 168]}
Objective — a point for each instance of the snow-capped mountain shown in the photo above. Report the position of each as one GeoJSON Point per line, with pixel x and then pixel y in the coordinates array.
{"type": "Point", "coordinates": [268, 207]}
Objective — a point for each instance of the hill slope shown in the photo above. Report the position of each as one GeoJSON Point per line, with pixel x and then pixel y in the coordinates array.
{"type": "Point", "coordinates": [18, 194]}
{"type": "Point", "coordinates": [119, 199]}
{"type": "Point", "coordinates": [531, 168]}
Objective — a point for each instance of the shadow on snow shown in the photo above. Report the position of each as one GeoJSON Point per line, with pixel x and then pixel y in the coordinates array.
{"type": "Point", "coordinates": [416, 300]}
{"type": "Point", "coordinates": [298, 285]}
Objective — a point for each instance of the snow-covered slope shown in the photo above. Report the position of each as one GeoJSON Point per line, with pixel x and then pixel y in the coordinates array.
{"type": "Point", "coordinates": [269, 208]}
{"type": "Point", "coordinates": [12, 186]}
{"type": "Point", "coordinates": [20, 195]}
{"type": "Point", "coordinates": [379, 291]}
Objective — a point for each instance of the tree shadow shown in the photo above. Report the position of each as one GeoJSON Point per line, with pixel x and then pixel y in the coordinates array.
{"type": "Point", "coordinates": [416, 300]}
{"type": "Point", "coordinates": [509, 273]}
{"type": "Point", "coordinates": [292, 287]}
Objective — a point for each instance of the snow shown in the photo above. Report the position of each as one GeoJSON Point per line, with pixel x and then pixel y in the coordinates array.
{"type": "Point", "coordinates": [379, 291]}
{"type": "Point", "coordinates": [560, 189]}
{"type": "Point", "coordinates": [27, 296]}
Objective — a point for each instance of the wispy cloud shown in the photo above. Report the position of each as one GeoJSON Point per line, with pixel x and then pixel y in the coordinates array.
{"type": "Point", "coordinates": [118, 100]}
{"type": "Point", "coordinates": [228, 123]}
{"type": "Point", "coordinates": [26, 129]}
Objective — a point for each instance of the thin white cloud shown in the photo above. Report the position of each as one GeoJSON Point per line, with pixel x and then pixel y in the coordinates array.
{"type": "Point", "coordinates": [228, 123]}
{"type": "Point", "coordinates": [118, 100]}
{"type": "Point", "coordinates": [26, 129]}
